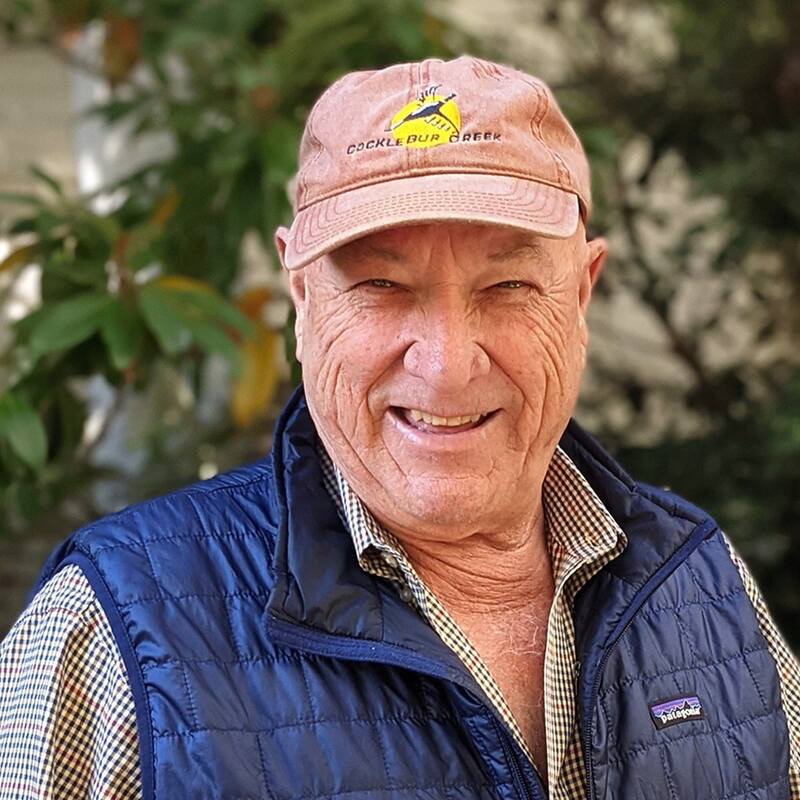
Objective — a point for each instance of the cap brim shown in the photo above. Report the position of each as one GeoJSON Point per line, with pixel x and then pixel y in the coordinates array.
{"type": "Point", "coordinates": [463, 197]}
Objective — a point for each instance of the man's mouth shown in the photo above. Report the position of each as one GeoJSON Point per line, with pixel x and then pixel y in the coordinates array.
{"type": "Point", "coordinates": [432, 423]}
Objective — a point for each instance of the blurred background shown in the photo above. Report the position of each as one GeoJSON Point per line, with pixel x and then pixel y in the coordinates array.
{"type": "Point", "coordinates": [145, 150]}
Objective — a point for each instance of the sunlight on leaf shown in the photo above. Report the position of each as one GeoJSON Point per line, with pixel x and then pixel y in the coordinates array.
{"type": "Point", "coordinates": [255, 387]}
{"type": "Point", "coordinates": [19, 257]}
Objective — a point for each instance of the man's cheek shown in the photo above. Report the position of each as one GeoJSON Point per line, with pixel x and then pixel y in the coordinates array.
{"type": "Point", "coordinates": [342, 372]}
{"type": "Point", "coordinates": [554, 332]}
{"type": "Point", "coordinates": [328, 324]}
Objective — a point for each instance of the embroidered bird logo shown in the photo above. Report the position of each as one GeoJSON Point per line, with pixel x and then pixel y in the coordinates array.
{"type": "Point", "coordinates": [429, 107]}
{"type": "Point", "coordinates": [429, 110]}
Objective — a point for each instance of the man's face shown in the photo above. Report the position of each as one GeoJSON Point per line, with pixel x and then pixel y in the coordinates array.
{"type": "Point", "coordinates": [441, 363]}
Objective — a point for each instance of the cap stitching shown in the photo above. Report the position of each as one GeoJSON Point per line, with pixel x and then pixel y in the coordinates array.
{"type": "Point", "coordinates": [330, 212]}
{"type": "Point", "coordinates": [312, 114]}
{"type": "Point", "coordinates": [312, 218]}
{"type": "Point", "coordinates": [485, 69]}
{"type": "Point", "coordinates": [420, 157]}
{"type": "Point", "coordinates": [303, 254]}
{"type": "Point", "coordinates": [411, 94]}
{"type": "Point", "coordinates": [433, 170]}
{"type": "Point", "coordinates": [561, 168]}
{"type": "Point", "coordinates": [454, 207]}
{"type": "Point", "coordinates": [320, 147]}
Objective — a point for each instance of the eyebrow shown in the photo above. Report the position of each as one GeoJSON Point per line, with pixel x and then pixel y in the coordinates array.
{"type": "Point", "coordinates": [358, 251]}
{"type": "Point", "coordinates": [521, 249]}
{"type": "Point", "coordinates": [386, 255]}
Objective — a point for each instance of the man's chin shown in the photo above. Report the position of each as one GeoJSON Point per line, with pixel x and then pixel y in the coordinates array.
{"type": "Point", "coordinates": [443, 504]}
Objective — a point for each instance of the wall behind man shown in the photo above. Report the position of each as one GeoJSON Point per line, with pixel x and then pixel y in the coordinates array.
{"type": "Point", "coordinates": [691, 123]}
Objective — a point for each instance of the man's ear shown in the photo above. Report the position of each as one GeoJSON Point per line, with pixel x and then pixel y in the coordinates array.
{"type": "Point", "coordinates": [594, 259]}
{"type": "Point", "coordinates": [296, 278]}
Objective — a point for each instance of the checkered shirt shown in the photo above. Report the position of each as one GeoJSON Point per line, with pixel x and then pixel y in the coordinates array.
{"type": "Point", "coordinates": [67, 719]}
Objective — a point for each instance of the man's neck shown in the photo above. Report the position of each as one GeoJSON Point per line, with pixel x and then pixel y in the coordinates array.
{"type": "Point", "coordinates": [487, 576]}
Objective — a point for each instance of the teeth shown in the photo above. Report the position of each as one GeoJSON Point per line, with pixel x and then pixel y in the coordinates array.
{"type": "Point", "coordinates": [450, 422]}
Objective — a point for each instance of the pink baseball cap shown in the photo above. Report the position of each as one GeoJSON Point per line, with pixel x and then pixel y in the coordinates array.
{"type": "Point", "coordinates": [462, 140]}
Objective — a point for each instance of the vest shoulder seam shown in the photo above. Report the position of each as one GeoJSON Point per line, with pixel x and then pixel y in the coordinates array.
{"type": "Point", "coordinates": [283, 658]}
{"type": "Point", "coordinates": [303, 722]}
{"type": "Point", "coordinates": [198, 490]}
{"type": "Point", "coordinates": [651, 612]}
{"type": "Point", "coordinates": [141, 544]}
{"type": "Point", "coordinates": [673, 508]}
{"type": "Point", "coordinates": [209, 595]}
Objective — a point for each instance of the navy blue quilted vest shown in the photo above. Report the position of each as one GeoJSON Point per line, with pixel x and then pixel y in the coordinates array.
{"type": "Point", "coordinates": [266, 664]}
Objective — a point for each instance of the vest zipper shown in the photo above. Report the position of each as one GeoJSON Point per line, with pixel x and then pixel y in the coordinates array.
{"type": "Point", "coordinates": [699, 534]}
{"type": "Point", "coordinates": [301, 637]}
{"type": "Point", "coordinates": [520, 784]}
{"type": "Point", "coordinates": [587, 740]}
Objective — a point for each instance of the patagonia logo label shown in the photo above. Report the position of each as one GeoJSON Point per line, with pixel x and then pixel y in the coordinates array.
{"type": "Point", "coordinates": [676, 710]}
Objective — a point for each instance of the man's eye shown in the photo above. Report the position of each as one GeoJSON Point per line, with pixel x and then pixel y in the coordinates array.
{"type": "Point", "coordinates": [511, 284]}
{"type": "Point", "coordinates": [379, 283]}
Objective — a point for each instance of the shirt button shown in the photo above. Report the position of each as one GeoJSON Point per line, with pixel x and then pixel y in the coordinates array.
{"type": "Point", "coordinates": [405, 593]}
{"type": "Point", "coordinates": [391, 561]}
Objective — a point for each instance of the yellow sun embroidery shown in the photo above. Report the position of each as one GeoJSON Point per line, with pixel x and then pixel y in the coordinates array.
{"type": "Point", "coordinates": [429, 120]}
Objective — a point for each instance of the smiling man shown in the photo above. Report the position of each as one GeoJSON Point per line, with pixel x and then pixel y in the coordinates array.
{"type": "Point", "coordinates": [436, 585]}
{"type": "Point", "coordinates": [441, 363]}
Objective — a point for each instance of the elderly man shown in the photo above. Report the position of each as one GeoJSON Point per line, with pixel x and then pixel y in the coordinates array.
{"type": "Point", "coordinates": [436, 586]}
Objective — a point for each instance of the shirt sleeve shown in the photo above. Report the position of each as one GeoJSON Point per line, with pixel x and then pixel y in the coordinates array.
{"type": "Point", "coordinates": [788, 669]}
{"type": "Point", "coordinates": [67, 719]}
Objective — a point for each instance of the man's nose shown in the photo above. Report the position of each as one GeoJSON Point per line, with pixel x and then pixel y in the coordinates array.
{"type": "Point", "coordinates": [446, 353]}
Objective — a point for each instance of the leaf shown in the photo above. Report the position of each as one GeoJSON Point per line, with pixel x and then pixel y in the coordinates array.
{"type": "Point", "coordinates": [165, 209]}
{"type": "Point", "coordinates": [179, 309]}
{"type": "Point", "coordinates": [21, 427]}
{"type": "Point", "coordinates": [196, 298]}
{"type": "Point", "coordinates": [22, 225]}
{"type": "Point", "coordinates": [121, 47]}
{"type": "Point", "coordinates": [183, 282]}
{"type": "Point", "coordinates": [21, 198]}
{"type": "Point", "coordinates": [214, 340]}
{"type": "Point", "coordinates": [88, 224]}
{"type": "Point", "coordinates": [255, 386]}
{"type": "Point", "coordinates": [137, 248]}
{"type": "Point", "coordinates": [214, 307]}
{"type": "Point", "coordinates": [50, 225]}
{"type": "Point", "coordinates": [113, 110]}
{"type": "Point", "coordinates": [48, 179]}
{"type": "Point", "coordinates": [69, 322]}
{"type": "Point", "coordinates": [159, 315]}
{"type": "Point", "coordinates": [71, 416]}
{"type": "Point", "coordinates": [27, 500]}
{"type": "Point", "coordinates": [19, 258]}
{"type": "Point", "coordinates": [122, 331]}
{"type": "Point", "coordinates": [258, 376]}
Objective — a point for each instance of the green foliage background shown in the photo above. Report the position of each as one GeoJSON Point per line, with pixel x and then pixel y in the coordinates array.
{"type": "Point", "coordinates": [231, 84]}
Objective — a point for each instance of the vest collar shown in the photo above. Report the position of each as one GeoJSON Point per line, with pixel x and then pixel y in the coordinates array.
{"type": "Point", "coordinates": [318, 581]}
{"type": "Point", "coordinates": [319, 587]}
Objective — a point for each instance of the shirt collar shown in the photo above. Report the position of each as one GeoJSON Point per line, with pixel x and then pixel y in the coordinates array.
{"type": "Point", "coordinates": [580, 529]}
